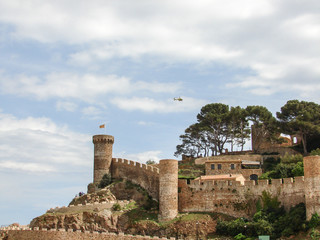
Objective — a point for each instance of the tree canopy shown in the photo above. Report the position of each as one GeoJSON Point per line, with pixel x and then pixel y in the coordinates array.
{"type": "Point", "coordinates": [301, 118]}
{"type": "Point", "coordinates": [219, 127]}
{"type": "Point", "coordinates": [216, 126]}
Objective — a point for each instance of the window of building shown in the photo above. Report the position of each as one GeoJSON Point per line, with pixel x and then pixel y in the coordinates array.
{"type": "Point", "coordinates": [232, 166]}
{"type": "Point", "coordinates": [219, 166]}
{"type": "Point", "coordinates": [212, 166]}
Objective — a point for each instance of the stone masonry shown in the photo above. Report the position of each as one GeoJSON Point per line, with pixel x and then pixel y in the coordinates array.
{"type": "Point", "coordinates": [312, 184]}
{"type": "Point", "coordinates": [168, 189]}
{"type": "Point", "coordinates": [62, 234]}
{"type": "Point", "coordinates": [102, 156]}
{"type": "Point", "coordinates": [225, 196]}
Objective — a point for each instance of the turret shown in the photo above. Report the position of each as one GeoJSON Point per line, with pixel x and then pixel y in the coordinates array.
{"type": "Point", "coordinates": [168, 189]}
{"type": "Point", "coordinates": [312, 184]}
{"type": "Point", "coordinates": [102, 156]}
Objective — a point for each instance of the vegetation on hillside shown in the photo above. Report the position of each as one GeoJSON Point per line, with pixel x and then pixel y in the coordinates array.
{"type": "Point", "coordinates": [284, 167]}
{"type": "Point", "coordinates": [190, 170]}
{"type": "Point", "coordinates": [105, 181]}
{"type": "Point", "coordinates": [271, 219]}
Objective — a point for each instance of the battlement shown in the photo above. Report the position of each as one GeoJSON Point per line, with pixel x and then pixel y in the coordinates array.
{"type": "Point", "coordinates": [144, 175]}
{"type": "Point", "coordinates": [61, 233]}
{"type": "Point", "coordinates": [136, 165]}
{"type": "Point", "coordinates": [103, 138]}
{"type": "Point", "coordinates": [198, 185]}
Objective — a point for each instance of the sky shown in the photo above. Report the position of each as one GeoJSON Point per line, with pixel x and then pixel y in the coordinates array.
{"type": "Point", "coordinates": [68, 66]}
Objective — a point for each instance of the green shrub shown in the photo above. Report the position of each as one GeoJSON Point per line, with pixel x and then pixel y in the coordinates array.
{"type": "Point", "coordinates": [264, 176]}
{"type": "Point", "coordinates": [291, 222]}
{"type": "Point", "coordinates": [240, 236]}
{"type": "Point", "coordinates": [150, 161]}
{"type": "Point", "coordinates": [270, 163]}
{"type": "Point", "coordinates": [315, 152]}
{"type": "Point", "coordinates": [298, 170]}
{"type": "Point", "coordinates": [314, 221]}
{"type": "Point", "coordinates": [269, 202]}
{"type": "Point", "coordinates": [314, 234]}
{"type": "Point", "coordinates": [116, 207]}
{"type": "Point", "coordinates": [150, 204]}
{"type": "Point", "coordinates": [105, 181]}
{"type": "Point", "coordinates": [263, 227]}
{"type": "Point", "coordinates": [282, 171]}
{"type": "Point", "coordinates": [288, 158]}
{"type": "Point", "coordinates": [270, 220]}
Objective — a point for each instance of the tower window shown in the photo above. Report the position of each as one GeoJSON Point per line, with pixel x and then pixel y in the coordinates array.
{"type": "Point", "coordinates": [212, 166]}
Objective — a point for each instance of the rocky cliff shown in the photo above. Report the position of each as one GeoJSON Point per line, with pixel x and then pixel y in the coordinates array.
{"type": "Point", "coordinates": [123, 207]}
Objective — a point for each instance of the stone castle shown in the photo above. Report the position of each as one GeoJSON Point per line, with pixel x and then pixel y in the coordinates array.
{"type": "Point", "coordinates": [223, 194]}
{"type": "Point", "coordinates": [235, 198]}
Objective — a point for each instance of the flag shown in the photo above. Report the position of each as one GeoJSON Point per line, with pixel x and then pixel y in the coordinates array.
{"type": "Point", "coordinates": [102, 126]}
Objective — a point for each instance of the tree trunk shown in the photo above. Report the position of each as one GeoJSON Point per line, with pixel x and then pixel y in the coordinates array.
{"type": "Point", "coordinates": [304, 143]}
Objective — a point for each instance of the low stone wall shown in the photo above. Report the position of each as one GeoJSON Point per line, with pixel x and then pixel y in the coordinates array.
{"type": "Point", "coordinates": [248, 157]}
{"type": "Point", "coordinates": [62, 234]}
{"type": "Point", "coordinates": [87, 206]}
{"type": "Point", "coordinates": [281, 150]}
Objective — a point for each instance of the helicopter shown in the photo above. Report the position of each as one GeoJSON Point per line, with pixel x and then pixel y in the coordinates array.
{"type": "Point", "coordinates": [178, 99]}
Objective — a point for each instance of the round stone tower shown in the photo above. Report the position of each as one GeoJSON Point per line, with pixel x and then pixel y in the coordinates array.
{"type": "Point", "coordinates": [168, 189]}
{"type": "Point", "coordinates": [312, 184]}
{"type": "Point", "coordinates": [102, 156]}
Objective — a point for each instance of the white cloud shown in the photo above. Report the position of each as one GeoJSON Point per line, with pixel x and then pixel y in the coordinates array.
{"type": "Point", "coordinates": [103, 20]}
{"type": "Point", "coordinates": [144, 123]}
{"type": "Point", "coordinates": [151, 105]}
{"type": "Point", "coordinates": [28, 167]}
{"type": "Point", "coordinates": [67, 106]}
{"type": "Point", "coordinates": [88, 87]}
{"type": "Point", "coordinates": [61, 85]}
{"type": "Point", "coordinates": [9, 123]}
{"type": "Point", "coordinates": [141, 157]}
{"type": "Point", "coordinates": [157, 87]}
{"type": "Point", "coordinates": [39, 145]}
{"type": "Point", "coordinates": [271, 38]}
{"type": "Point", "coordinates": [92, 112]}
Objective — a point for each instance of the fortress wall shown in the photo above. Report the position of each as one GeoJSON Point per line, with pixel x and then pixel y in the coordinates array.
{"type": "Point", "coordinates": [62, 234]}
{"type": "Point", "coordinates": [230, 197]}
{"type": "Point", "coordinates": [213, 196]}
{"type": "Point", "coordinates": [144, 175]}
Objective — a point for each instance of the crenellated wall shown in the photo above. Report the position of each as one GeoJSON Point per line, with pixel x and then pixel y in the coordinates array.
{"type": "Point", "coordinates": [144, 175]}
{"type": "Point", "coordinates": [44, 234]}
{"type": "Point", "coordinates": [232, 198]}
